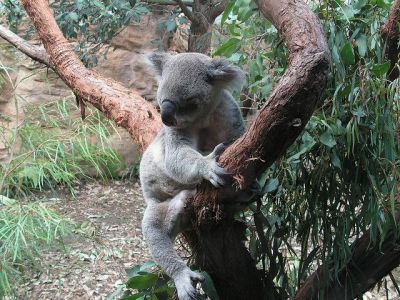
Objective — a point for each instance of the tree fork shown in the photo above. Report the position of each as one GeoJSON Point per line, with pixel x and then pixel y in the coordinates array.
{"type": "Point", "coordinates": [276, 127]}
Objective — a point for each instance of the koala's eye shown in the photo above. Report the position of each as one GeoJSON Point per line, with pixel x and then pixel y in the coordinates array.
{"type": "Point", "coordinates": [188, 108]}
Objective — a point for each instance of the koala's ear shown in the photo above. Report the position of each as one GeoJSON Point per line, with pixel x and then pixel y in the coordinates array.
{"type": "Point", "coordinates": [157, 60]}
{"type": "Point", "coordinates": [223, 73]}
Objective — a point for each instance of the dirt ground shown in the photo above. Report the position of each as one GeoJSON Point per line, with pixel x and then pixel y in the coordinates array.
{"type": "Point", "coordinates": [107, 242]}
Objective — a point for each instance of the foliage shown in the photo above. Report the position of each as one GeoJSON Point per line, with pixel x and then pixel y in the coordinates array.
{"type": "Point", "coordinates": [58, 148]}
{"type": "Point", "coordinates": [51, 146]}
{"type": "Point", "coordinates": [149, 282]}
{"type": "Point", "coordinates": [25, 228]}
{"type": "Point", "coordinates": [92, 23]}
{"type": "Point", "coordinates": [340, 177]}
{"type": "Point", "coordinates": [337, 182]}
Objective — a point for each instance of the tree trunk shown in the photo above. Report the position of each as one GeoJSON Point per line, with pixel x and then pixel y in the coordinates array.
{"type": "Point", "coordinates": [276, 127]}
{"type": "Point", "coordinates": [391, 34]}
{"type": "Point", "coordinates": [202, 16]}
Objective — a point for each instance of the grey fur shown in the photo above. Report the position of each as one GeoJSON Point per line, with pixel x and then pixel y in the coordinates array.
{"type": "Point", "coordinates": [194, 96]}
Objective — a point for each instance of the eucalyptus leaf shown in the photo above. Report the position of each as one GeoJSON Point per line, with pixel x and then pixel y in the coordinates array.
{"type": "Point", "coordinates": [327, 139]}
{"type": "Point", "coordinates": [380, 69]}
{"type": "Point", "coordinates": [347, 55]}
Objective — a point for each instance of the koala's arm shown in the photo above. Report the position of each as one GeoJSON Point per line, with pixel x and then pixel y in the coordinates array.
{"type": "Point", "coordinates": [188, 166]}
{"type": "Point", "coordinates": [161, 222]}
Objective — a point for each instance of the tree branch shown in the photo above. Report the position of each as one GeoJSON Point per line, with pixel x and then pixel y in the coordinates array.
{"type": "Point", "coordinates": [36, 53]}
{"type": "Point", "coordinates": [367, 265]}
{"type": "Point", "coordinates": [289, 107]}
{"type": "Point", "coordinates": [186, 11]}
{"type": "Point", "coordinates": [127, 108]}
{"type": "Point", "coordinates": [218, 8]}
{"type": "Point", "coordinates": [169, 2]}
{"type": "Point", "coordinates": [218, 238]}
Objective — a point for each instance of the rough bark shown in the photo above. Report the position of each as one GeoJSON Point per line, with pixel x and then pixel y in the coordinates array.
{"type": "Point", "coordinates": [277, 125]}
{"type": "Point", "coordinates": [289, 107]}
{"type": "Point", "coordinates": [127, 108]}
{"type": "Point", "coordinates": [202, 16]}
{"type": "Point", "coordinates": [391, 33]}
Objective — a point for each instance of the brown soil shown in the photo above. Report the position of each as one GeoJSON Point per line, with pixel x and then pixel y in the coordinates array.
{"type": "Point", "coordinates": [107, 242]}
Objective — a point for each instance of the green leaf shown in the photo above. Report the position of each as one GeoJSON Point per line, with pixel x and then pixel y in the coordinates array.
{"type": "Point", "coordinates": [230, 47]}
{"type": "Point", "coordinates": [208, 287]}
{"type": "Point", "coordinates": [139, 268]}
{"type": "Point", "coordinates": [134, 297]}
{"type": "Point", "coordinates": [381, 69]}
{"type": "Point", "coordinates": [272, 185]}
{"type": "Point", "coordinates": [335, 160]}
{"type": "Point", "coordinates": [143, 281]}
{"type": "Point", "coordinates": [171, 25]}
{"type": "Point", "coordinates": [347, 54]}
{"type": "Point", "coordinates": [73, 16]}
{"type": "Point", "coordinates": [227, 11]}
{"type": "Point", "coordinates": [361, 43]}
{"type": "Point", "coordinates": [327, 139]}
{"type": "Point", "coordinates": [79, 4]}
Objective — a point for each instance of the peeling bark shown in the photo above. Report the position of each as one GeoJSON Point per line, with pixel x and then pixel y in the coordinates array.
{"type": "Point", "coordinates": [127, 108]}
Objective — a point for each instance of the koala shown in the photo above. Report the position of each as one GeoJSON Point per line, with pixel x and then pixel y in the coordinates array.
{"type": "Point", "coordinates": [200, 117]}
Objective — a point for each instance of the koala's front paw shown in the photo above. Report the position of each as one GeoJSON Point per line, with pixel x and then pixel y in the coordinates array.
{"type": "Point", "coordinates": [185, 283]}
{"type": "Point", "coordinates": [213, 172]}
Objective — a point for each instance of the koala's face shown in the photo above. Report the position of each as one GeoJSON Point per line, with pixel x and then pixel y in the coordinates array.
{"type": "Point", "coordinates": [188, 84]}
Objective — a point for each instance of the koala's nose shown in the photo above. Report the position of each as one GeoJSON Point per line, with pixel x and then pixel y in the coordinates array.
{"type": "Point", "coordinates": [168, 110]}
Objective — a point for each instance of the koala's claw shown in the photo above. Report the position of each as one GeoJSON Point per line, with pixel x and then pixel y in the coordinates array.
{"type": "Point", "coordinates": [185, 284]}
{"type": "Point", "coordinates": [218, 150]}
{"type": "Point", "coordinates": [218, 176]}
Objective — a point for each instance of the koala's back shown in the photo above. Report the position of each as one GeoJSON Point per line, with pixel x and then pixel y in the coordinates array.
{"type": "Point", "coordinates": [156, 183]}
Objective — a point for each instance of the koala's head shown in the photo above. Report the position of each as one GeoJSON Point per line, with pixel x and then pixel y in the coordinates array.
{"type": "Point", "coordinates": [189, 85]}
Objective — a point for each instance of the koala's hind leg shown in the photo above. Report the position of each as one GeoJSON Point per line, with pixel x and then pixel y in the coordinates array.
{"type": "Point", "coordinates": [161, 222]}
